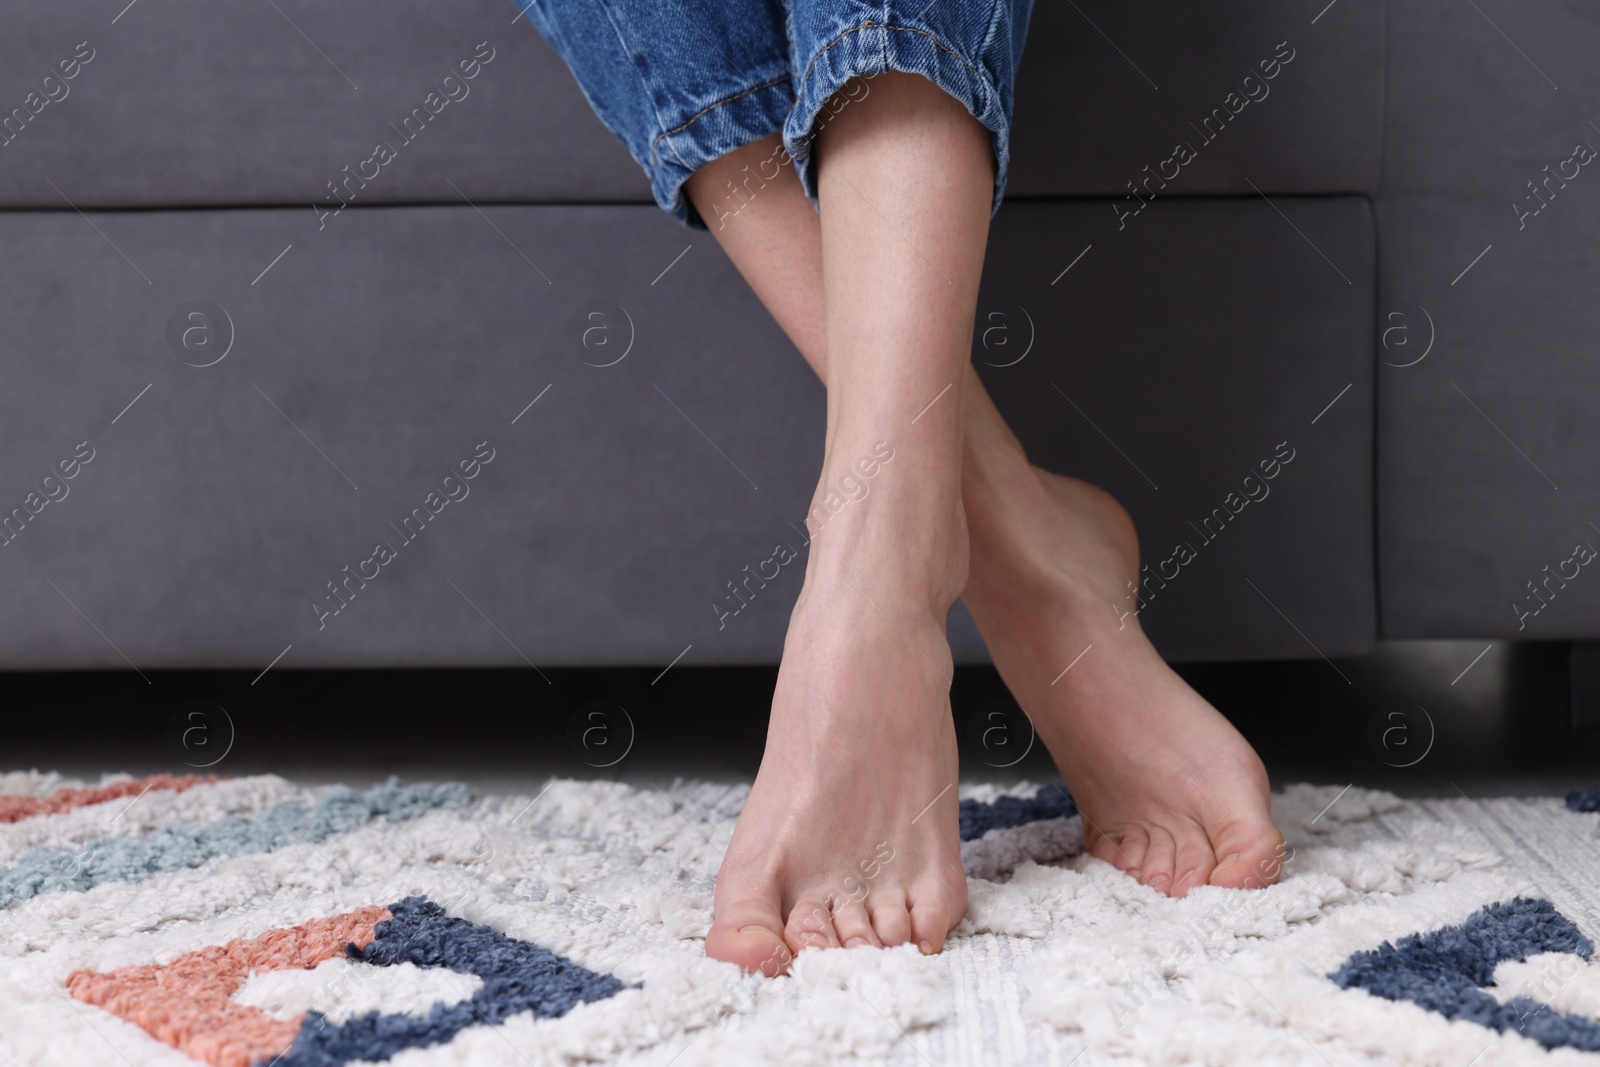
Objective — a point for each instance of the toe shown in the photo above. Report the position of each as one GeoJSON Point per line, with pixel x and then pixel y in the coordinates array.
{"type": "Point", "coordinates": [811, 924]}
{"type": "Point", "coordinates": [1253, 853]}
{"type": "Point", "coordinates": [852, 923]}
{"type": "Point", "coordinates": [749, 932]}
{"type": "Point", "coordinates": [1159, 859]}
{"type": "Point", "coordinates": [1195, 860]}
{"type": "Point", "coordinates": [930, 922]}
{"type": "Point", "coordinates": [891, 920]}
{"type": "Point", "coordinates": [1124, 851]}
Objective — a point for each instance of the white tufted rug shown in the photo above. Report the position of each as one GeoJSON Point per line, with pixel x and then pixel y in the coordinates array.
{"type": "Point", "coordinates": [565, 928]}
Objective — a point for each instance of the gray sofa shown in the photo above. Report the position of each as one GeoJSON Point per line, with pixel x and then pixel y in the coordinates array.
{"type": "Point", "coordinates": [504, 365]}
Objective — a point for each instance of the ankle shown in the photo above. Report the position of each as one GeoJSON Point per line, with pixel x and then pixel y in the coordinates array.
{"type": "Point", "coordinates": [1058, 545]}
{"type": "Point", "coordinates": [900, 561]}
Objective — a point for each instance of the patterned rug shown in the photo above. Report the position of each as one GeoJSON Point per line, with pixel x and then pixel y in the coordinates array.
{"type": "Point", "coordinates": [236, 922]}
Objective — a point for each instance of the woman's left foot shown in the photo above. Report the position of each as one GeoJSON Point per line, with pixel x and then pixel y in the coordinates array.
{"type": "Point", "coordinates": [1169, 791]}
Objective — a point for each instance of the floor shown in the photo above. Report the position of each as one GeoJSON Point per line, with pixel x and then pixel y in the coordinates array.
{"type": "Point", "coordinates": [1418, 718]}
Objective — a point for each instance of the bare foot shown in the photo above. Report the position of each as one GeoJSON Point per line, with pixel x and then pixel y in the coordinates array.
{"type": "Point", "coordinates": [851, 834]}
{"type": "Point", "coordinates": [1170, 792]}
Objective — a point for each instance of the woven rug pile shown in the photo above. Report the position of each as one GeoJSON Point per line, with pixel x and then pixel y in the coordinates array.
{"type": "Point", "coordinates": [252, 921]}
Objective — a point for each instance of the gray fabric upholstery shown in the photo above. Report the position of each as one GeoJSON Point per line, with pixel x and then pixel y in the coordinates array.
{"type": "Point", "coordinates": [190, 103]}
{"type": "Point", "coordinates": [385, 348]}
{"type": "Point", "coordinates": [390, 340]}
{"type": "Point", "coordinates": [1107, 89]}
{"type": "Point", "coordinates": [1474, 439]}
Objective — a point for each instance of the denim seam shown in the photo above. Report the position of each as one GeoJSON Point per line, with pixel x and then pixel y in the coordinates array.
{"type": "Point", "coordinates": [868, 25]}
{"type": "Point", "coordinates": [697, 116]}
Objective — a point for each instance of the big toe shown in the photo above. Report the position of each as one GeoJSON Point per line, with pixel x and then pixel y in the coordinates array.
{"type": "Point", "coordinates": [750, 933]}
{"type": "Point", "coordinates": [1253, 853]}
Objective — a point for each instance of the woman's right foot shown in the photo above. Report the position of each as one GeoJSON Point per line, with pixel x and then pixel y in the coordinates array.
{"type": "Point", "coordinates": [850, 835]}
{"type": "Point", "coordinates": [1169, 791]}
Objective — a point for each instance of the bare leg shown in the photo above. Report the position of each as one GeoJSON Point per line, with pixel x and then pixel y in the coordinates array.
{"type": "Point", "coordinates": [850, 833]}
{"type": "Point", "coordinates": [1168, 788]}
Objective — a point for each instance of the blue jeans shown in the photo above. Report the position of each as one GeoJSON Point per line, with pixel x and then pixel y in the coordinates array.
{"type": "Point", "coordinates": [684, 82]}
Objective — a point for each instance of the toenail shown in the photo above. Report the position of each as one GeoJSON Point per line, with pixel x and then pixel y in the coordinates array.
{"type": "Point", "coordinates": [926, 947]}
{"type": "Point", "coordinates": [1232, 857]}
{"type": "Point", "coordinates": [1158, 879]}
{"type": "Point", "coordinates": [763, 929]}
{"type": "Point", "coordinates": [856, 942]}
